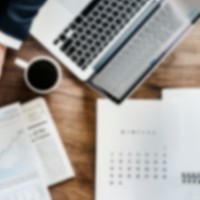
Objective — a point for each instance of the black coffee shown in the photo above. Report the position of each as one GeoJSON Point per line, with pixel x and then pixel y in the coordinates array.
{"type": "Point", "coordinates": [42, 75]}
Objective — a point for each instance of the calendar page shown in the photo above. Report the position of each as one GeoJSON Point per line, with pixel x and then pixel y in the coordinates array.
{"type": "Point", "coordinates": [138, 151]}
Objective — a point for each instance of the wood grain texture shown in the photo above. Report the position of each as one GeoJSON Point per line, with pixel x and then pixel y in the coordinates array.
{"type": "Point", "coordinates": [73, 105]}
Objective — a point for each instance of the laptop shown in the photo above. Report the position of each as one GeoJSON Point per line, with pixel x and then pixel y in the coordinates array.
{"type": "Point", "coordinates": [113, 45]}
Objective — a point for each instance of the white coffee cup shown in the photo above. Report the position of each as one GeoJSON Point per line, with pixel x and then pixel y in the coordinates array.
{"type": "Point", "coordinates": [42, 74]}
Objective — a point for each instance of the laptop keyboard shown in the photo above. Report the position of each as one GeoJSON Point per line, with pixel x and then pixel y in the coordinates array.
{"type": "Point", "coordinates": [135, 58]}
{"type": "Point", "coordinates": [91, 32]}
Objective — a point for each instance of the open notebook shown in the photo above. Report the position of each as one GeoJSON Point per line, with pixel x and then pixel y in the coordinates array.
{"type": "Point", "coordinates": [148, 150]}
{"type": "Point", "coordinates": [32, 155]}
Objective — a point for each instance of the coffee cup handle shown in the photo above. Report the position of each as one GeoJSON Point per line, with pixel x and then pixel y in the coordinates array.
{"type": "Point", "coordinates": [21, 63]}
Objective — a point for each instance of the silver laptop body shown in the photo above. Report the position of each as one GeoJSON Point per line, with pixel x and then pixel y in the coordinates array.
{"type": "Point", "coordinates": [113, 45]}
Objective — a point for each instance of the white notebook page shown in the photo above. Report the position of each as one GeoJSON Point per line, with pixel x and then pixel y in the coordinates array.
{"type": "Point", "coordinates": [189, 100]}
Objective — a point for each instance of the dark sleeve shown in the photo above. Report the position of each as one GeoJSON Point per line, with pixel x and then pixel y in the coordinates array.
{"type": "Point", "coordinates": [16, 16]}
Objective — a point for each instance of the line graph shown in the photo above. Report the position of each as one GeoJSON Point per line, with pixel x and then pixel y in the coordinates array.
{"type": "Point", "coordinates": [10, 145]}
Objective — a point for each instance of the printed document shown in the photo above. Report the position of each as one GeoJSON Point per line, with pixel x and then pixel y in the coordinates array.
{"type": "Point", "coordinates": [47, 143]}
{"type": "Point", "coordinates": [20, 176]}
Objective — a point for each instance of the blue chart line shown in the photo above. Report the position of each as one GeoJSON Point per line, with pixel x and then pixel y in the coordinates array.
{"type": "Point", "coordinates": [11, 162]}
{"type": "Point", "coordinates": [10, 146]}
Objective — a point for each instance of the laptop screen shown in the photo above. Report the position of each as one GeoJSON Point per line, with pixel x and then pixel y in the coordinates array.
{"type": "Point", "coordinates": [141, 53]}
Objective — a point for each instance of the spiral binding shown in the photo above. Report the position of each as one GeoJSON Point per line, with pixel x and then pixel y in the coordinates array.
{"type": "Point", "coordinates": [191, 178]}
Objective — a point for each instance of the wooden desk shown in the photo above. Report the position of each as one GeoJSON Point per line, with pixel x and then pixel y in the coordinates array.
{"type": "Point", "coordinates": [73, 106]}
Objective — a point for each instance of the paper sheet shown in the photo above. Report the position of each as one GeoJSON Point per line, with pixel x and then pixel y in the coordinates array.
{"type": "Point", "coordinates": [190, 116]}
{"type": "Point", "coordinates": [189, 100]}
{"type": "Point", "coordinates": [20, 176]}
{"type": "Point", "coordinates": [47, 143]}
{"type": "Point", "coordinates": [138, 151]}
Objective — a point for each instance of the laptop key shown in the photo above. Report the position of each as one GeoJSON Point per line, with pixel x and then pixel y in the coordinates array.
{"type": "Point", "coordinates": [66, 45]}
{"type": "Point", "coordinates": [91, 6]}
{"type": "Point", "coordinates": [96, 27]}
